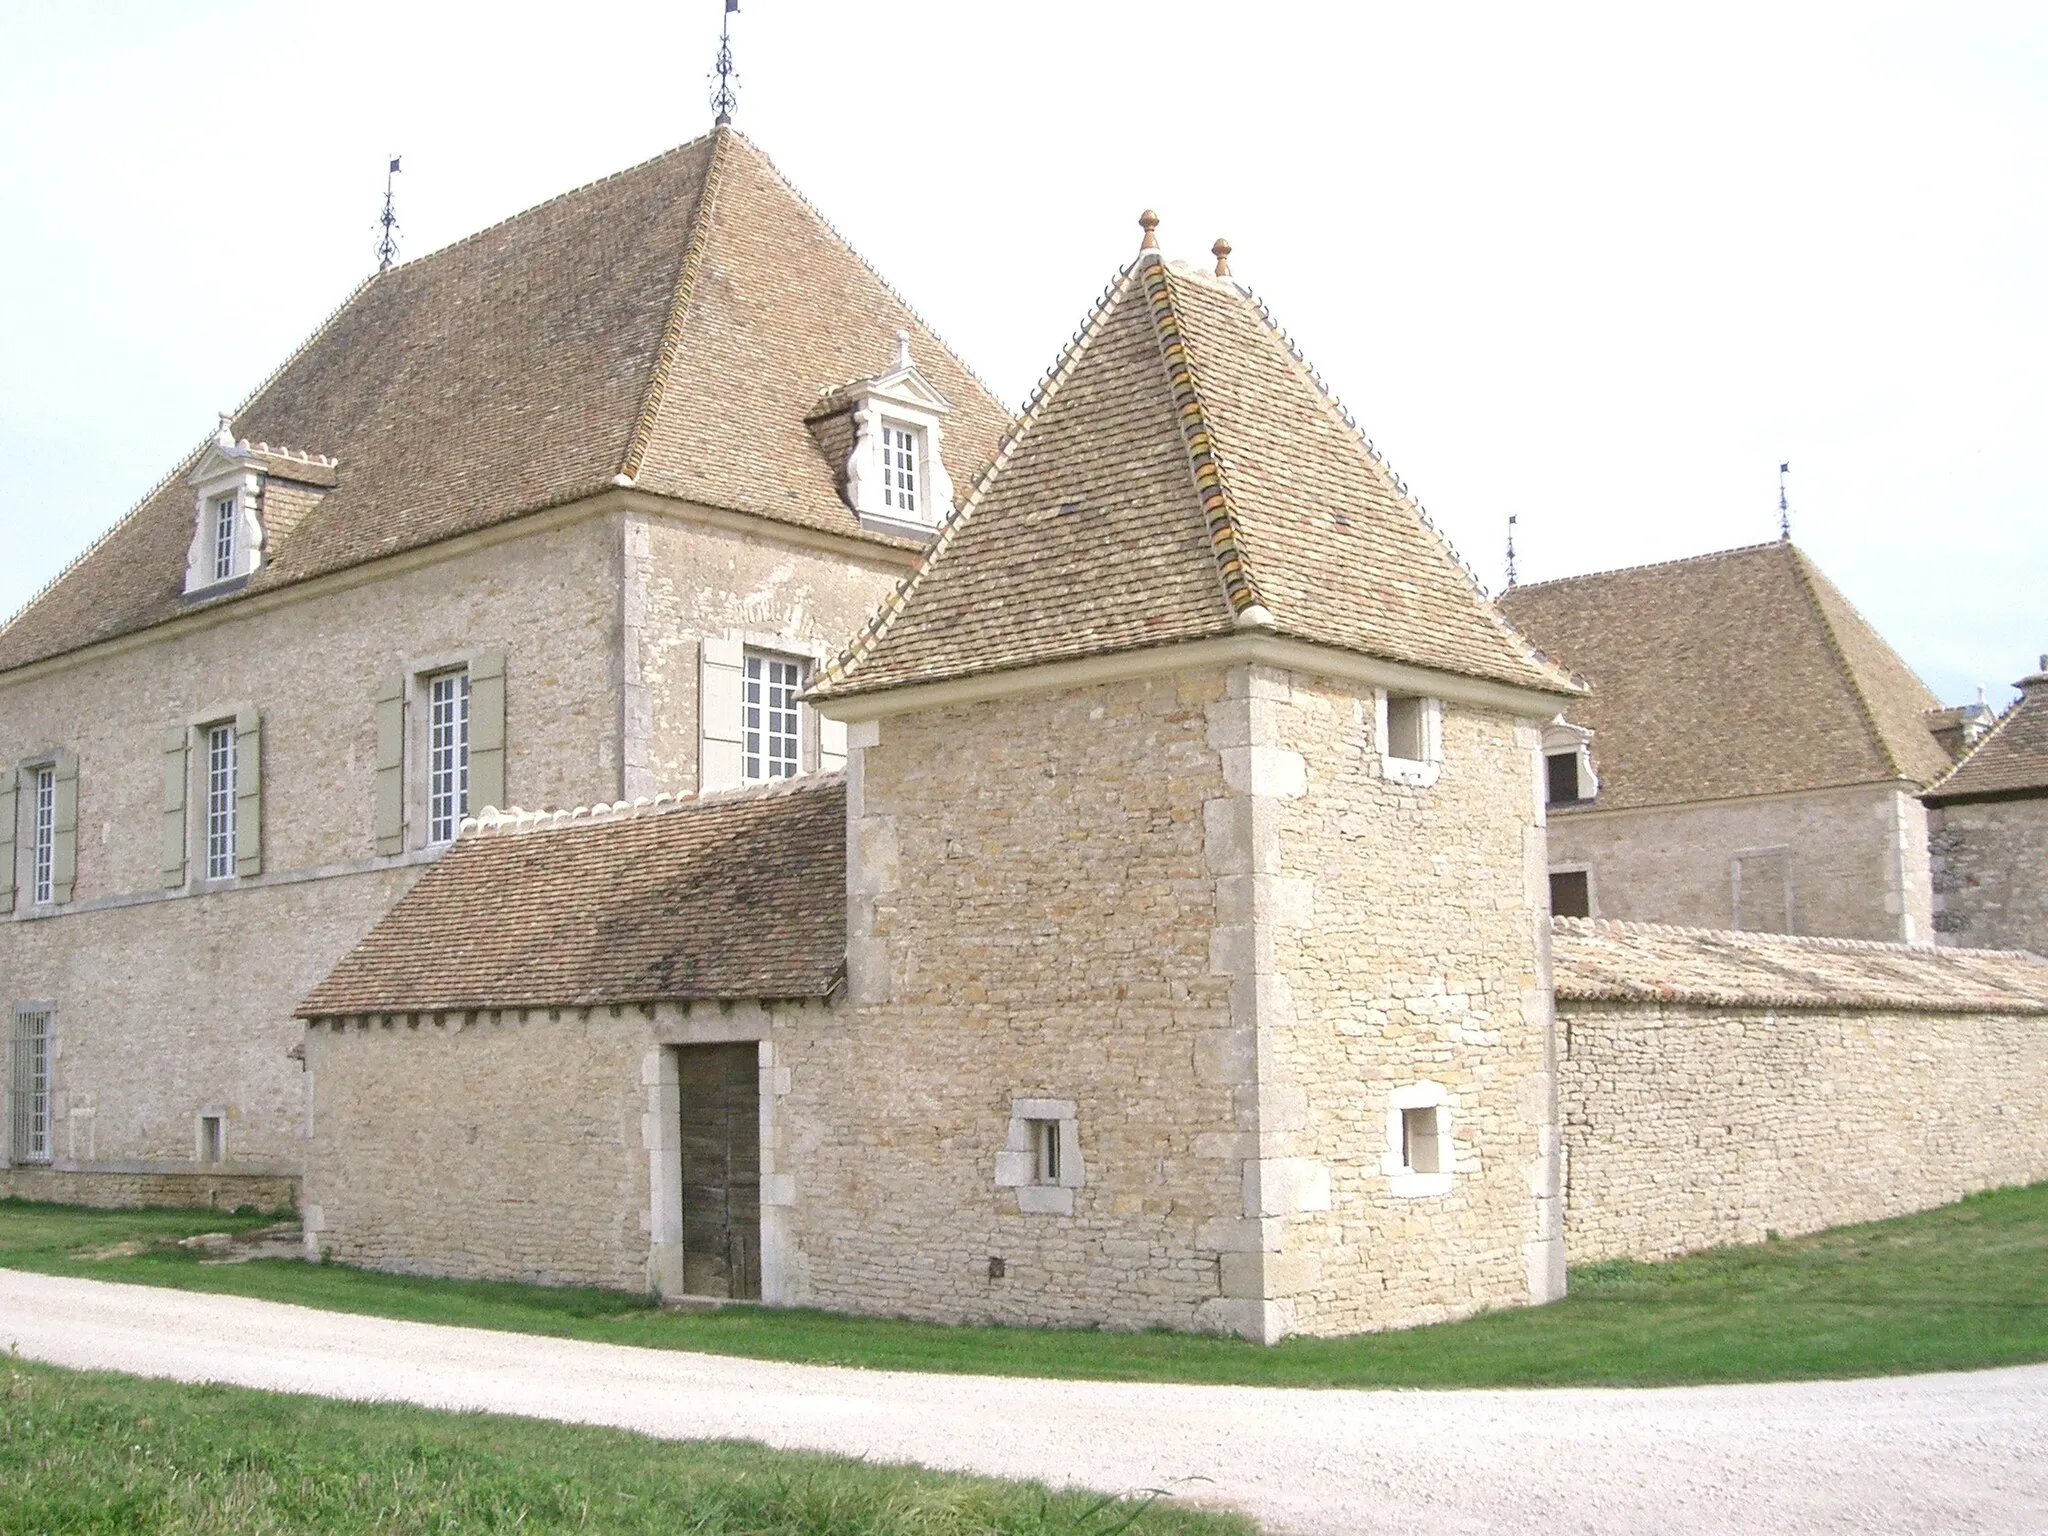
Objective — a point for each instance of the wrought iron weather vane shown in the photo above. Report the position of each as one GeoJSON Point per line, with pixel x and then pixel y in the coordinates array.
{"type": "Point", "coordinates": [1511, 549]}
{"type": "Point", "coordinates": [1784, 509]}
{"type": "Point", "coordinates": [726, 96]}
{"type": "Point", "coordinates": [387, 243]}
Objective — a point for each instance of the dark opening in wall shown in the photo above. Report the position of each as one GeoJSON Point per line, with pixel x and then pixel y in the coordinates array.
{"type": "Point", "coordinates": [1563, 768]}
{"type": "Point", "coordinates": [1570, 892]}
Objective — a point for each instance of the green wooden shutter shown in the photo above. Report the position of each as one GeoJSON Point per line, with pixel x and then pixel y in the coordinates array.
{"type": "Point", "coordinates": [248, 793]}
{"type": "Point", "coordinates": [487, 732]}
{"type": "Point", "coordinates": [64, 829]}
{"type": "Point", "coordinates": [175, 744]}
{"type": "Point", "coordinates": [10, 808]}
{"type": "Point", "coordinates": [391, 766]}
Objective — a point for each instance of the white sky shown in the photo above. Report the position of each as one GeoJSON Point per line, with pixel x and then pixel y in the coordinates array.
{"type": "Point", "coordinates": [1602, 268]}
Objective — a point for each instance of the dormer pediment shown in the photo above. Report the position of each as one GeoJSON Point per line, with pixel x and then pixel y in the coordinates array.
{"type": "Point", "coordinates": [230, 533]}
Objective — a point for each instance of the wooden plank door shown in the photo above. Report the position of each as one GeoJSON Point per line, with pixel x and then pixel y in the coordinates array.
{"type": "Point", "coordinates": [721, 1109]}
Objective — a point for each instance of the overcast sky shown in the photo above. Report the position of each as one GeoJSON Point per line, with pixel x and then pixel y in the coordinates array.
{"type": "Point", "coordinates": [1600, 268]}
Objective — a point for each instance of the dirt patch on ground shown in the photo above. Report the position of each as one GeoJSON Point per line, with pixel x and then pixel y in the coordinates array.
{"type": "Point", "coordinates": [279, 1240]}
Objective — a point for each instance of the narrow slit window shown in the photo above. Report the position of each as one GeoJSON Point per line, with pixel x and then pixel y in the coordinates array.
{"type": "Point", "coordinates": [771, 724]}
{"type": "Point", "coordinates": [1405, 727]}
{"type": "Point", "coordinates": [43, 888]}
{"type": "Point", "coordinates": [211, 1139]}
{"type": "Point", "coordinates": [224, 538]}
{"type": "Point", "coordinates": [899, 468]}
{"type": "Point", "coordinates": [28, 1085]}
{"type": "Point", "coordinates": [447, 755]}
{"type": "Point", "coordinates": [1045, 1151]}
{"type": "Point", "coordinates": [220, 802]}
{"type": "Point", "coordinates": [1419, 1141]}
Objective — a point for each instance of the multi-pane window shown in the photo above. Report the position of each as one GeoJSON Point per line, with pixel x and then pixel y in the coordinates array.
{"type": "Point", "coordinates": [899, 468]}
{"type": "Point", "coordinates": [770, 727]}
{"type": "Point", "coordinates": [447, 755]}
{"type": "Point", "coordinates": [224, 538]}
{"type": "Point", "coordinates": [43, 885]}
{"type": "Point", "coordinates": [28, 1085]}
{"type": "Point", "coordinates": [220, 802]}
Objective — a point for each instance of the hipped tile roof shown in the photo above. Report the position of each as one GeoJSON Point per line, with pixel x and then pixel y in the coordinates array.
{"type": "Point", "coordinates": [1183, 475]}
{"type": "Point", "coordinates": [675, 322]}
{"type": "Point", "coordinates": [1739, 673]}
{"type": "Point", "coordinates": [2012, 758]}
{"type": "Point", "coordinates": [739, 897]}
{"type": "Point", "coordinates": [1641, 962]}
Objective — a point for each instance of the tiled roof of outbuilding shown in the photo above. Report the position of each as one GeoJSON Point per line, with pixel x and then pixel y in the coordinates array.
{"type": "Point", "coordinates": [739, 896]}
{"type": "Point", "coordinates": [1738, 673]}
{"type": "Point", "coordinates": [2012, 758]}
{"type": "Point", "coordinates": [1642, 962]}
{"type": "Point", "coordinates": [674, 322]}
{"type": "Point", "coordinates": [1184, 475]}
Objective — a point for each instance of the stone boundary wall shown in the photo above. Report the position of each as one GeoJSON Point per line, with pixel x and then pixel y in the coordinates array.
{"type": "Point", "coordinates": [127, 1191]}
{"type": "Point", "coordinates": [1691, 1125]}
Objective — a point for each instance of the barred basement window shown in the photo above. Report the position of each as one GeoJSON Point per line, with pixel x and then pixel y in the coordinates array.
{"type": "Point", "coordinates": [224, 538]}
{"type": "Point", "coordinates": [447, 755]}
{"type": "Point", "coordinates": [28, 1085]}
{"type": "Point", "coordinates": [900, 447]}
{"type": "Point", "coordinates": [1045, 1151]}
{"type": "Point", "coordinates": [43, 885]}
{"type": "Point", "coordinates": [220, 801]}
{"type": "Point", "coordinates": [770, 721]}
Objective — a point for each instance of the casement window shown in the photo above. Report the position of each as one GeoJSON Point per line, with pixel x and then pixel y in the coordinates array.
{"type": "Point", "coordinates": [1419, 1160]}
{"type": "Point", "coordinates": [223, 538]}
{"type": "Point", "coordinates": [771, 719]}
{"type": "Point", "coordinates": [447, 755]}
{"type": "Point", "coordinates": [28, 1083]}
{"type": "Point", "coordinates": [220, 802]}
{"type": "Point", "coordinates": [43, 875]}
{"type": "Point", "coordinates": [901, 448]}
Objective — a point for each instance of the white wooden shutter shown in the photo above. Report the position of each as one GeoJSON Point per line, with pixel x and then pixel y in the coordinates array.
{"type": "Point", "coordinates": [721, 678]}
{"type": "Point", "coordinates": [64, 828]}
{"type": "Point", "coordinates": [175, 744]}
{"type": "Point", "coordinates": [391, 766]}
{"type": "Point", "coordinates": [10, 808]}
{"type": "Point", "coordinates": [248, 793]}
{"type": "Point", "coordinates": [487, 732]}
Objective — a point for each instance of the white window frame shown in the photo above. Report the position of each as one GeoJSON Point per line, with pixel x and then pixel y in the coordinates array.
{"type": "Point", "coordinates": [771, 715]}
{"type": "Point", "coordinates": [447, 696]}
{"type": "Point", "coordinates": [1417, 772]}
{"type": "Point", "coordinates": [224, 536]}
{"type": "Point", "coordinates": [1019, 1165]}
{"type": "Point", "coordinates": [1405, 1181]}
{"type": "Point", "coordinates": [902, 459]}
{"type": "Point", "coordinates": [218, 768]}
{"type": "Point", "coordinates": [31, 1037]}
{"type": "Point", "coordinates": [43, 835]}
{"type": "Point", "coordinates": [1561, 739]}
{"type": "Point", "coordinates": [895, 412]}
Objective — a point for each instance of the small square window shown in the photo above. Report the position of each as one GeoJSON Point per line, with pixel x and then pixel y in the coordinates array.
{"type": "Point", "coordinates": [1420, 1142]}
{"type": "Point", "coordinates": [1045, 1151]}
{"type": "Point", "coordinates": [1563, 771]}
{"type": "Point", "coordinates": [1405, 727]}
{"type": "Point", "coordinates": [212, 1138]}
{"type": "Point", "coordinates": [1571, 893]}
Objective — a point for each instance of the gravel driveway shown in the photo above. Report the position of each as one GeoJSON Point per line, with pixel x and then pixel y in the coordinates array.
{"type": "Point", "coordinates": [1916, 1453]}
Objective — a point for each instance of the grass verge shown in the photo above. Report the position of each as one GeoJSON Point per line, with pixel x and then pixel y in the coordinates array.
{"type": "Point", "coordinates": [1957, 1288]}
{"type": "Point", "coordinates": [88, 1453]}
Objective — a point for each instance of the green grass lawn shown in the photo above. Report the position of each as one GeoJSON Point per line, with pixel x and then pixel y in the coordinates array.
{"type": "Point", "coordinates": [103, 1453]}
{"type": "Point", "coordinates": [1957, 1288]}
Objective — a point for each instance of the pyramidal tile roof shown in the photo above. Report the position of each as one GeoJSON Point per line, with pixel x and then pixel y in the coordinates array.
{"type": "Point", "coordinates": [1183, 475]}
{"type": "Point", "coordinates": [674, 323]}
{"type": "Point", "coordinates": [2011, 759]}
{"type": "Point", "coordinates": [1744, 672]}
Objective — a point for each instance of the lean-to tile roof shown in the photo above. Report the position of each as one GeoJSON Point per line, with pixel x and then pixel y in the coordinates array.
{"type": "Point", "coordinates": [740, 896]}
{"type": "Point", "coordinates": [1739, 673]}
{"type": "Point", "coordinates": [675, 322]}
{"type": "Point", "coordinates": [1183, 475]}
{"type": "Point", "coordinates": [1642, 962]}
{"type": "Point", "coordinates": [2012, 758]}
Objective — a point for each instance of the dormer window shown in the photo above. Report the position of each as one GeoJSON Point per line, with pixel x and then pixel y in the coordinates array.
{"type": "Point", "coordinates": [246, 496]}
{"type": "Point", "coordinates": [224, 538]}
{"type": "Point", "coordinates": [901, 449]}
{"type": "Point", "coordinates": [1568, 777]}
{"type": "Point", "coordinates": [896, 480]}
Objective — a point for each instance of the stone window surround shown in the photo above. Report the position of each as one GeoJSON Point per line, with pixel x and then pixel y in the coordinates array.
{"type": "Point", "coordinates": [199, 1119]}
{"type": "Point", "coordinates": [904, 399]}
{"type": "Point", "coordinates": [1420, 773]}
{"type": "Point", "coordinates": [1017, 1163]}
{"type": "Point", "coordinates": [419, 673]}
{"type": "Point", "coordinates": [1592, 884]}
{"type": "Point", "coordinates": [196, 726]}
{"type": "Point", "coordinates": [1405, 1183]}
{"type": "Point", "coordinates": [244, 482]}
{"type": "Point", "coordinates": [1559, 738]}
{"type": "Point", "coordinates": [1781, 851]}
{"type": "Point", "coordinates": [47, 1008]}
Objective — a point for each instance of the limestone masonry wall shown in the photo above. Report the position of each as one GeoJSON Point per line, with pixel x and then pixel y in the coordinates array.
{"type": "Point", "coordinates": [1991, 873]}
{"type": "Point", "coordinates": [1858, 858]}
{"type": "Point", "coordinates": [126, 1191]}
{"type": "Point", "coordinates": [1689, 1126]}
{"type": "Point", "coordinates": [482, 1146]}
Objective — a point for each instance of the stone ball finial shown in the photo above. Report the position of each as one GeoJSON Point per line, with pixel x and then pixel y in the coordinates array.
{"type": "Point", "coordinates": [1148, 221]}
{"type": "Point", "coordinates": [1221, 251]}
{"type": "Point", "coordinates": [903, 349]}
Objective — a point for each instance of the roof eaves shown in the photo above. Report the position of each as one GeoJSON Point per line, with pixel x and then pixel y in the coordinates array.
{"type": "Point", "coordinates": [839, 676]}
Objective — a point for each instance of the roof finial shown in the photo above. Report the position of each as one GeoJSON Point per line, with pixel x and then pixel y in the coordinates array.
{"type": "Point", "coordinates": [1784, 511]}
{"type": "Point", "coordinates": [726, 96]}
{"type": "Point", "coordinates": [1148, 221]}
{"type": "Point", "coordinates": [1221, 251]}
{"type": "Point", "coordinates": [387, 245]}
{"type": "Point", "coordinates": [1511, 551]}
{"type": "Point", "coordinates": [903, 349]}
